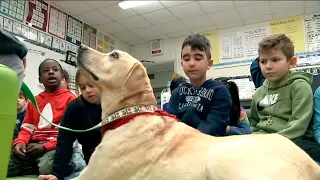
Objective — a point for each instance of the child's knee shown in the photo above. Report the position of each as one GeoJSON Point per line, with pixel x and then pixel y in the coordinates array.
{"type": "Point", "coordinates": [45, 163]}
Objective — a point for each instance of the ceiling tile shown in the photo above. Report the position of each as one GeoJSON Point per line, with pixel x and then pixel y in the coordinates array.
{"type": "Point", "coordinates": [230, 25]}
{"type": "Point", "coordinates": [159, 17]}
{"type": "Point", "coordinates": [100, 4]}
{"type": "Point", "coordinates": [214, 6]}
{"type": "Point", "coordinates": [127, 36]}
{"type": "Point", "coordinates": [245, 3]}
{"type": "Point", "coordinates": [112, 27]}
{"type": "Point", "coordinates": [116, 13]}
{"type": "Point", "coordinates": [281, 6]}
{"type": "Point", "coordinates": [309, 10]}
{"type": "Point", "coordinates": [254, 10]}
{"type": "Point", "coordinates": [137, 42]}
{"type": "Point", "coordinates": [74, 7]}
{"type": "Point", "coordinates": [94, 17]}
{"type": "Point", "coordinates": [258, 19]}
{"type": "Point", "coordinates": [179, 34]}
{"type": "Point", "coordinates": [172, 26]}
{"type": "Point", "coordinates": [225, 16]}
{"type": "Point", "coordinates": [163, 36]}
{"type": "Point", "coordinates": [173, 3]}
{"type": "Point", "coordinates": [186, 10]}
{"type": "Point", "coordinates": [148, 7]}
{"type": "Point", "coordinates": [291, 13]}
{"type": "Point", "coordinates": [312, 4]}
{"type": "Point", "coordinates": [197, 21]}
{"type": "Point", "coordinates": [134, 22]}
{"type": "Point", "coordinates": [147, 32]}
{"type": "Point", "coordinates": [204, 29]}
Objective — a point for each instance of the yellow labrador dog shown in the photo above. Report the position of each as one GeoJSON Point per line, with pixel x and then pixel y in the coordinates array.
{"type": "Point", "coordinates": [155, 146]}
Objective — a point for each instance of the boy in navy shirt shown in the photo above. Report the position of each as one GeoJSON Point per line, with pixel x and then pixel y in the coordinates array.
{"type": "Point", "coordinates": [203, 104]}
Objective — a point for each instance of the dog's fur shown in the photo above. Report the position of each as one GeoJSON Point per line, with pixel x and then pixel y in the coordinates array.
{"type": "Point", "coordinates": [160, 148]}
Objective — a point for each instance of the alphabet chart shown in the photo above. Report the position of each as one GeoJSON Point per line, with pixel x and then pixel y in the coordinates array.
{"type": "Point", "coordinates": [74, 31]}
{"type": "Point", "coordinates": [38, 14]}
{"type": "Point", "coordinates": [13, 8]}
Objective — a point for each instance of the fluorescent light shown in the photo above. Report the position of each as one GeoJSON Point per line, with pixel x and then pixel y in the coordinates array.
{"type": "Point", "coordinates": [131, 4]}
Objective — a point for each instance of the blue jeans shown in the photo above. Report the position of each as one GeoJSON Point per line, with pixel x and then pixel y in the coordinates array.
{"type": "Point", "coordinates": [77, 161]}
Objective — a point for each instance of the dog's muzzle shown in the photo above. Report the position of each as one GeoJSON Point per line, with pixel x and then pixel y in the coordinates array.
{"type": "Point", "coordinates": [81, 60]}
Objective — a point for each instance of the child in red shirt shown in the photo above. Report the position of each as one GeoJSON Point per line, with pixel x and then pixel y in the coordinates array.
{"type": "Point", "coordinates": [33, 149]}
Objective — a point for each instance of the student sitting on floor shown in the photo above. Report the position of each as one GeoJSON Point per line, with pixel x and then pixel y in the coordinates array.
{"type": "Point", "coordinates": [21, 109]}
{"type": "Point", "coordinates": [284, 103]}
{"type": "Point", "coordinates": [35, 144]}
{"type": "Point", "coordinates": [203, 104]}
{"type": "Point", "coordinates": [65, 79]}
{"type": "Point", "coordinates": [239, 122]}
{"type": "Point", "coordinates": [82, 113]}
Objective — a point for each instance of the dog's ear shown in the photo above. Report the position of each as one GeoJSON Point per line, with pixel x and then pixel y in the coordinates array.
{"type": "Point", "coordinates": [136, 89]}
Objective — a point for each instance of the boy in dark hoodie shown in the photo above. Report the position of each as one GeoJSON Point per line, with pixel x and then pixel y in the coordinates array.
{"type": "Point", "coordinates": [256, 74]}
{"type": "Point", "coordinates": [203, 104]}
{"type": "Point", "coordinates": [33, 149]}
{"type": "Point", "coordinates": [13, 54]}
{"type": "Point", "coordinates": [284, 103]}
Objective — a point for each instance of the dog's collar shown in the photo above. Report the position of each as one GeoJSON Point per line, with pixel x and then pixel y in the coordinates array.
{"type": "Point", "coordinates": [125, 115]}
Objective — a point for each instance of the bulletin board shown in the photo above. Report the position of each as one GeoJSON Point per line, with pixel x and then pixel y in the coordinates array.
{"type": "Point", "coordinates": [239, 47]}
{"type": "Point", "coordinates": [57, 23]}
{"type": "Point", "coordinates": [104, 43]}
{"type": "Point", "coordinates": [38, 14]}
{"type": "Point", "coordinates": [89, 36]}
{"type": "Point", "coordinates": [293, 28]}
{"type": "Point", "coordinates": [74, 30]}
{"type": "Point", "coordinates": [14, 9]}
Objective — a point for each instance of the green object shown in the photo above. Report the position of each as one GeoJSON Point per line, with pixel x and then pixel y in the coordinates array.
{"type": "Point", "coordinates": [8, 114]}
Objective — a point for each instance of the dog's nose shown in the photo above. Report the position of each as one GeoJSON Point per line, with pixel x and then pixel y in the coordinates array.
{"type": "Point", "coordinates": [82, 47]}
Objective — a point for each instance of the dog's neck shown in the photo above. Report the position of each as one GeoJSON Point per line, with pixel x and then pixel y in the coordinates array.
{"type": "Point", "coordinates": [111, 102]}
{"type": "Point", "coordinates": [125, 115]}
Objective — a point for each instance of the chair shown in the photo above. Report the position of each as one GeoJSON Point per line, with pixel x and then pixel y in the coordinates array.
{"type": "Point", "coordinates": [8, 114]}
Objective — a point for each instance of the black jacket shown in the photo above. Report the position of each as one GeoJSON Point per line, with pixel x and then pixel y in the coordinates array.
{"type": "Point", "coordinates": [80, 114]}
{"type": "Point", "coordinates": [11, 45]}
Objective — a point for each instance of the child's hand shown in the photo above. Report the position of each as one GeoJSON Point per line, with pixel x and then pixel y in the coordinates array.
{"type": "Point", "coordinates": [228, 129]}
{"type": "Point", "coordinates": [35, 149]}
{"type": "Point", "coordinates": [19, 150]}
{"type": "Point", "coordinates": [47, 177]}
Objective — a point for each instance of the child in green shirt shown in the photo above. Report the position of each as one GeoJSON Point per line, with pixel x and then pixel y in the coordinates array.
{"type": "Point", "coordinates": [284, 103]}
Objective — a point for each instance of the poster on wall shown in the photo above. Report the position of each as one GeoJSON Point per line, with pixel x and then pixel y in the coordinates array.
{"type": "Point", "coordinates": [74, 30]}
{"type": "Point", "coordinates": [38, 14]}
{"type": "Point", "coordinates": [16, 28]}
{"type": "Point", "coordinates": [312, 28]}
{"type": "Point", "coordinates": [293, 28]}
{"type": "Point", "coordinates": [89, 36]}
{"type": "Point", "coordinates": [232, 45]}
{"type": "Point", "coordinates": [104, 43]}
{"type": "Point", "coordinates": [57, 22]}
{"type": "Point", "coordinates": [252, 37]}
{"type": "Point", "coordinates": [1, 22]}
{"type": "Point", "coordinates": [14, 9]}
{"type": "Point", "coordinates": [7, 24]}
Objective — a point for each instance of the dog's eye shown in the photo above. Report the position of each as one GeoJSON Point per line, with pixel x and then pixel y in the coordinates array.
{"type": "Point", "coordinates": [115, 55]}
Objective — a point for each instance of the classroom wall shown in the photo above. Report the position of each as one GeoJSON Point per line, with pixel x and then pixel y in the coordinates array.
{"type": "Point", "coordinates": [172, 50]}
{"type": "Point", "coordinates": [161, 79]}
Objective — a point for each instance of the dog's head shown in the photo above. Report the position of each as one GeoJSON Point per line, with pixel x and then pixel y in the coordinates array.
{"type": "Point", "coordinates": [123, 80]}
